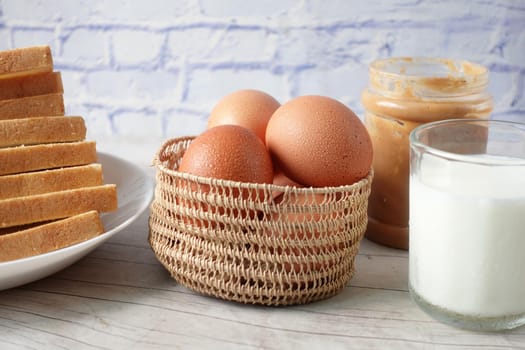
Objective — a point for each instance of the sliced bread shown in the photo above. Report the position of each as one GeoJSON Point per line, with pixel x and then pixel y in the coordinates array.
{"type": "Point", "coordinates": [21, 159]}
{"type": "Point", "coordinates": [31, 85]}
{"type": "Point", "coordinates": [56, 205]}
{"type": "Point", "coordinates": [31, 131]}
{"type": "Point", "coordinates": [38, 182]}
{"type": "Point", "coordinates": [50, 236]}
{"type": "Point", "coordinates": [32, 106]}
{"type": "Point", "coordinates": [24, 61]}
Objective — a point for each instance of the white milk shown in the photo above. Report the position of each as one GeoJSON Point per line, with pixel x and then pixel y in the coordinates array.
{"type": "Point", "coordinates": [467, 237]}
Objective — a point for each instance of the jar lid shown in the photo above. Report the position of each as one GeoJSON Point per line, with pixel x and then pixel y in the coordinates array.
{"type": "Point", "coordinates": [421, 77]}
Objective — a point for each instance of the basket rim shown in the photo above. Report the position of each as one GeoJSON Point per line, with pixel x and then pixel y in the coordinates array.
{"type": "Point", "coordinates": [158, 164]}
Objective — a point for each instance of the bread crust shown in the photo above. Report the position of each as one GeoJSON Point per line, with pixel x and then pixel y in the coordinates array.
{"type": "Point", "coordinates": [24, 61]}
{"type": "Point", "coordinates": [45, 181]}
{"type": "Point", "coordinates": [50, 236]}
{"type": "Point", "coordinates": [32, 106]}
{"type": "Point", "coordinates": [31, 85]}
{"type": "Point", "coordinates": [56, 205]}
{"type": "Point", "coordinates": [14, 160]}
{"type": "Point", "coordinates": [32, 131]}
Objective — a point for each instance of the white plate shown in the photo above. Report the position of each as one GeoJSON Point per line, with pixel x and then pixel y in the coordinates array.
{"type": "Point", "coordinates": [134, 192]}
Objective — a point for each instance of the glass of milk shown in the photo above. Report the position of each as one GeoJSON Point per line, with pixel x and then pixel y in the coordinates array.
{"type": "Point", "coordinates": [467, 222]}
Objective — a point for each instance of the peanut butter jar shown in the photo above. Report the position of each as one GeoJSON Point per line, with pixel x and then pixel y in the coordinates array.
{"type": "Point", "coordinates": [403, 93]}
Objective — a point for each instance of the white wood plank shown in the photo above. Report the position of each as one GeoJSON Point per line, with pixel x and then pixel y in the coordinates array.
{"type": "Point", "coordinates": [120, 297]}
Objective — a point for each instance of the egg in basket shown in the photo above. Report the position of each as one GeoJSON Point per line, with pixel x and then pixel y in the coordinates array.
{"type": "Point", "coordinates": [273, 217]}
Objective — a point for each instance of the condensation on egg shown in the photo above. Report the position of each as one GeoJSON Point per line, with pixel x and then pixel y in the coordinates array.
{"type": "Point", "coordinates": [318, 141]}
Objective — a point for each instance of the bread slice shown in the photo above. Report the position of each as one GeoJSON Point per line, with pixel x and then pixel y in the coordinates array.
{"type": "Point", "coordinates": [51, 236]}
{"type": "Point", "coordinates": [21, 159]}
{"type": "Point", "coordinates": [56, 205]}
{"type": "Point", "coordinates": [32, 106]}
{"type": "Point", "coordinates": [31, 85]}
{"type": "Point", "coordinates": [6, 230]}
{"type": "Point", "coordinates": [24, 61]}
{"type": "Point", "coordinates": [38, 182]}
{"type": "Point", "coordinates": [32, 131]}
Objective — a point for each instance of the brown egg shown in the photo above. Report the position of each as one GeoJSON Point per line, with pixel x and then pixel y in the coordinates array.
{"type": "Point", "coordinates": [318, 141]}
{"type": "Point", "coordinates": [280, 179]}
{"type": "Point", "coordinates": [248, 108]}
{"type": "Point", "coordinates": [227, 152]}
{"type": "Point", "coordinates": [302, 208]}
{"type": "Point", "coordinates": [300, 212]}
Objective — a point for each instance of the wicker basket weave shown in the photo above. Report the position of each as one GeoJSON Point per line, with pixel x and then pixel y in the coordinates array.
{"type": "Point", "coordinates": [254, 243]}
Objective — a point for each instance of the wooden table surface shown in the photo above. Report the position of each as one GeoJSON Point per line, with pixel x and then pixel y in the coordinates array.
{"type": "Point", "coordinates": [120, 297]}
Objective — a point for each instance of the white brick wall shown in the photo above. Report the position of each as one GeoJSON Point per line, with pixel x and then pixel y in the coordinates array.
{"type": "Point", "coordinates": [154, 69]}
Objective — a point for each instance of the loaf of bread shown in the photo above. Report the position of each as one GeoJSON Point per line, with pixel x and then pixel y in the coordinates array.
{"type": "Point", "coordinates": [25, 61]}
{"type": "Point", "coordinates": [56, 205]}
{"type": "Point", "coordinates": [45, 181]}
{"type": "Point", "coordinates": [21, 159]}
{"type": "Point", "coordinates": [31, 85]}
{"type": "Point", "coordinates": [32, 106]}
{"type": "Point", "coordinates": [32, 131]}
{"type": "Point", "coordinates": [50, 236]}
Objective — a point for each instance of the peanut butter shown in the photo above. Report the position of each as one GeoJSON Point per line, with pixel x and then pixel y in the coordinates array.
{"type": "Point", "coordinates": [402, 94]}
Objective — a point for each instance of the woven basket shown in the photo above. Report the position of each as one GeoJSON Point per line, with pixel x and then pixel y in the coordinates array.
{"type": "Point", "coordinates": [254, 243]}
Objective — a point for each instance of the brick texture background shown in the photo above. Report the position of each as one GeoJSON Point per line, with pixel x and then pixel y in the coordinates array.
{"type": "Point", "coordinates": [154, 69]}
